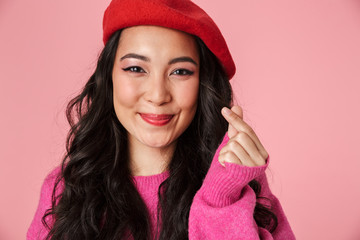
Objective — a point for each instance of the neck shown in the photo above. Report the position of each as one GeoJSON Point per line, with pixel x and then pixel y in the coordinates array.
{"type": "Point", "coordinates": [147, 161]}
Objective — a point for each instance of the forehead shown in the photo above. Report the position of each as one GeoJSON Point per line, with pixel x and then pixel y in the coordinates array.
{"type": "Point", "coordinates": [147, 38]}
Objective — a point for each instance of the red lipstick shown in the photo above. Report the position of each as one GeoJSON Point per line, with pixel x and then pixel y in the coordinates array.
{"type": "Point", "coordinates": [156, 119]}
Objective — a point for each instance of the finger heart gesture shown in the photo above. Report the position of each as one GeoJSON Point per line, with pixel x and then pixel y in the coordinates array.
{"type": "Point", "coordinates": [243, 147]}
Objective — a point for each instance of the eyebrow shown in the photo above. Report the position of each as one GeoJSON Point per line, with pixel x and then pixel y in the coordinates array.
{"type": "Point", "coordinates": [137, 56]}
{"type": "Point", "coordinates": [146, 59]}
{"type": "Point", "coordinates": [182, 59]}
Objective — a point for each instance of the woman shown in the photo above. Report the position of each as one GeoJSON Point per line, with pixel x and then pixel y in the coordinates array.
{"type": "Point", "coordinates": [143, 157]}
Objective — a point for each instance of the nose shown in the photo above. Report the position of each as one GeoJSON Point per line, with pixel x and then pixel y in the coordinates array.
{"type": "Point", "coordinates": [158, 92]}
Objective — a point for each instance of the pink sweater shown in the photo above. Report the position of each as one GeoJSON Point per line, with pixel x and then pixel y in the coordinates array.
{"type": "Point", "coordinates": [222, 208]}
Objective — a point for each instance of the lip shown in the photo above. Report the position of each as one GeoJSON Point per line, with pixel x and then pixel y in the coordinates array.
{"type": "Point", "coordinates": [156, 119]}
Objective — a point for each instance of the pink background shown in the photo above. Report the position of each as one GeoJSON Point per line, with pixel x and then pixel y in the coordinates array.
{"type": "Point", "coordinates": [298, 74]}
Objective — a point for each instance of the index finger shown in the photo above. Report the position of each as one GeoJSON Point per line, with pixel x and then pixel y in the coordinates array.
{"type": "Point", "coordinates": [241, 125]}
{"type": "Point", "coordinates": [238, 111]}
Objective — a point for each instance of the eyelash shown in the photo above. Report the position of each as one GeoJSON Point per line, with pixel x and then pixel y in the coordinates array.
{"type": "Point", "coordinates": [187, 72]}
{"type": "Point", "coordinates": [133, 69]}
{"type": "Point", "coordinates": [180, 71]}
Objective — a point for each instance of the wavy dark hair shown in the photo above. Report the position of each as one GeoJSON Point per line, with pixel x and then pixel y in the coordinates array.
{"type": "Point", "coordinates": [99, 199]}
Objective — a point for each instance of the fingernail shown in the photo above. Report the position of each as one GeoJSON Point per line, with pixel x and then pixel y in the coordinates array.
{"type": "Point", "coordinates": [227, 111]}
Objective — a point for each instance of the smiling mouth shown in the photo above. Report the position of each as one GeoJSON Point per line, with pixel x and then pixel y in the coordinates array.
{"type": "Point", "coordinates": [156, 119]}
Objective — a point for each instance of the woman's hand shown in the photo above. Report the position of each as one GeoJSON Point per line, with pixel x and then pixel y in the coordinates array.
{"type": "Point", "coordinates": [243, 147]}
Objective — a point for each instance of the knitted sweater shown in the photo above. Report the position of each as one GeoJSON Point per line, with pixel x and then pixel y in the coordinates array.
{"type": "Point", "coordinates": [222, 208]}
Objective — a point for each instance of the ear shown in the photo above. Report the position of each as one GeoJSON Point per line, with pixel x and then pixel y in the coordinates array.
{"type": "Point", "coordinates": [238, 111]}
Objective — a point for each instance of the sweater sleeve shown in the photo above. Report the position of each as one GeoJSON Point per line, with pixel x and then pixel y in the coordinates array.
{"type": "Point", "coordinates": [37, 230]}
{"type": "Point", "coordinates": [224, 205]}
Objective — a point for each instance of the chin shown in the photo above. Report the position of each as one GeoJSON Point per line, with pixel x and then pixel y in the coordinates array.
{"type": "Point", "coordinates": [154, 141]}
{"type": "Point", "coordinates": [157, 144]}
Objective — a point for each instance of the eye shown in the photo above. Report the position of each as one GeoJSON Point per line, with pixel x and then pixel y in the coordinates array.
{"type": "Point", "coordinates": [182, 71]}
{"type": "Point", "coordinates": [135, 69]}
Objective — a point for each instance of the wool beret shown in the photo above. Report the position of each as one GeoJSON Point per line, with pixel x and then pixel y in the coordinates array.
{"type": "Point", "coordinates": [183, 15]}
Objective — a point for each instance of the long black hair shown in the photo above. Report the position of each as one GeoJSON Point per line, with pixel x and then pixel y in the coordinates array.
{"type": "Point", "coordinates": [99, 199]}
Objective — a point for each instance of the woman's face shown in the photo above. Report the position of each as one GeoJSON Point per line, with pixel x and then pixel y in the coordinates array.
{"type": "Point", "coordinates": [156, 82]}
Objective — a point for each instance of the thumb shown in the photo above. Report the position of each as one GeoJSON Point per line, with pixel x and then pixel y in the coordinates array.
{"type": "Point", "coordinates": [238, 111]}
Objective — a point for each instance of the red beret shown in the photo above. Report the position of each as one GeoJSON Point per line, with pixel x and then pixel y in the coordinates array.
{"type": "Point", "coordinates": [182, 15]}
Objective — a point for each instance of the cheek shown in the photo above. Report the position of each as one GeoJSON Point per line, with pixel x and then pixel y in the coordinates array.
{"type": "Point", "coordinates": [188, 96]}
{"type": "Point", "coordinates": [125, 94]}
